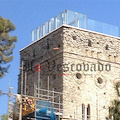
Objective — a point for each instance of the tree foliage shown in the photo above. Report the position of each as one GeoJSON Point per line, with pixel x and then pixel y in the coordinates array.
{"type": "Point", "coordinates": [114, 109]}
{"type": "Point", "coordinates": [4, 117]}
{"type": "Point", "coordinates": [7, 44]}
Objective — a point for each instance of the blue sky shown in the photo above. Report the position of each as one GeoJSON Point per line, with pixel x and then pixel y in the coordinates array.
{"type": "Point", "coordinates": [27, 15]}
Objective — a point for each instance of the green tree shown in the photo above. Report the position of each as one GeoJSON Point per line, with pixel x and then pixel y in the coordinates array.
{"type": "Point", "coordinates": [4, 117]}
{"type": "Point", "coordinates": [7, 44]}
{"type": "Point", "coordinates": [114, 109]}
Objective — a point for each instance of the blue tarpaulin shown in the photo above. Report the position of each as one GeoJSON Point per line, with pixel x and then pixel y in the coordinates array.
{"type": "Point", "coordinates": [45, 111]}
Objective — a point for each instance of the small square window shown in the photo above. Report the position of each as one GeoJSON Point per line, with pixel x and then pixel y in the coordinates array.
{"type": "Point", "coordinates": [89, 43]}
{"type": "Point", "coordinates": [106, 47]}
{"type": "Point", "coordinates": [48, 44]}
{"type": "Point", "coordinates": [33, 52]}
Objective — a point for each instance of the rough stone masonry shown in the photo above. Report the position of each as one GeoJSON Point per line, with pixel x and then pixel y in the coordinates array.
{"type": "Point", "coordinates": [81, 64]}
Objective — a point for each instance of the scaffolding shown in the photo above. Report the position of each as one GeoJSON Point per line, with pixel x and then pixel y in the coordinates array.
{"type": "Point", "coordinates": [11, 101]}
{"type": "Point", "coordinates": [14, 105]}
{"type": "Point", "coordinates": [55, 100]}
{"type": "Point", "coordinates": [52, 98]}
{"type": "Point", "coordinates": [45, 104]}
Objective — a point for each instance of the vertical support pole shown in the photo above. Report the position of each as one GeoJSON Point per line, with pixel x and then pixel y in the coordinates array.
{"type": "Point", "coordinates": [48, 88]}
{"type": "Point", "coordinates": [38, 82]}
{"type": "Point", "coordinates": [20, 114]}
{"type": "Point", "coordinates": [35, 94]}
{"type": "Point", "coordinates": [11, 100]}
{"type": "Point", "coordinates": [35, 108]}
{"type": "Point", "coordinates": [8, 102]}
{"type": "Point", "coordinates": [85, 112]}
{"type": "Point", "coordinates": [34, 90]}
{"type": "Point", "coordinates": [25, 82]}
{"type": "Point", "coordinates": [59, 107]}
{"type": "Point", "coordinates": [53, 96]}
{"type": "Point", "coordinates": [22, 79]}
{"type": "Point", "coordinates": [55, 22]}
{"type": "Point", "coordinates": [66, 17]}
{"type": "Point", "coordinates": [76, 24]}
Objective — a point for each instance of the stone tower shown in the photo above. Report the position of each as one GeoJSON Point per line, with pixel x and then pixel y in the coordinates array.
{"type": "Point", "coordinates": [81, 64]}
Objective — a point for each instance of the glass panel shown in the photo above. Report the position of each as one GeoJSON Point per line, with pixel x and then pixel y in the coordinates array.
{"type": "Point", "coordinates": [99, 26]}
{"type": "Point", "coordinates": [41, 31]}
{"type": "Point", "coordinates": [64, 17]}
{"type": "Point", "coordinates": [90, 24]}
{"type": "Point", "coordinates": [32, 36]}
{"type": "Point", "coordinates": [71, 18]}
{"type": "Point", "coordinates": [46, 28]}
{"type": "Point", "coordinates": [49, 26]}
{"type": "Point", "coordinates": [74, 19]}
{"type": "Point", "coordinates": [81, 20]}
{"type": "Point", "coordinates": [102, 27]}
{"type": "Point", "coordinates": [115, 31]}
{"type": "Point", "coordinates": [35, 34]}
{"type": "Point", "coordinates": [43, 27]}
{"type": "Point", "coordinates": [59, 20]}
{"type": "Point", "coordinates": [52, 24]}
{"type": "Point", "coordinates": [106, 29]}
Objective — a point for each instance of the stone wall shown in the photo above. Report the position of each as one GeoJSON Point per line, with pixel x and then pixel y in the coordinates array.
{"type": "Point", "coordinates": [43, 52]}
{"type": "Point", "coordinates": [94, 87]}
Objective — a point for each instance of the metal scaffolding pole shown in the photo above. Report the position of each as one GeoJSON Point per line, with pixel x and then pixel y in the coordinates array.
{"type": "Point", "coordinates": [25, 82]}
{"type": "Point", "coordinates": [38, 80]}
{"type": "Point", "coordinates": [22, 79]}
{"type": "Point", "coordinates": [53, 97]}
{"type": "Point", "coordinates": [48, 88]}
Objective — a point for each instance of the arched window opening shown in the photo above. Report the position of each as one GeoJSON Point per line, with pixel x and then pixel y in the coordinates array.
{"type": "Point", "coordinates": [34, 53]}
{"type": "Point", "coordinates": [83, 111]}
{"type": "Point", "coordinates": [88, 112]}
